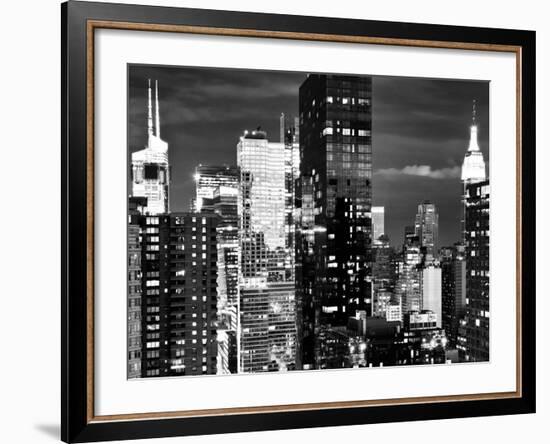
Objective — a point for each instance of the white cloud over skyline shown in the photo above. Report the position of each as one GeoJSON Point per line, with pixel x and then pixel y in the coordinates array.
{"type": "Point", "coordinates": [423, 171]}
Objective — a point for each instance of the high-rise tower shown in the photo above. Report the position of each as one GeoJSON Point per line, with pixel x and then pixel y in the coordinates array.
{"type": "Point", "coordinates": [336, 197]}
{"type": "Point", "coordinates": [377, 223]}
{"type": "Point", "coordinates": [426, 227]}
{"type": "Point", "coordinates": [267, 308]}
{"type": "Point", "coordinates": [476, 322]}
{"type": "Point", "coordinates": [473, 167]}
{"type": "Point", "coordinates": [150, 167]}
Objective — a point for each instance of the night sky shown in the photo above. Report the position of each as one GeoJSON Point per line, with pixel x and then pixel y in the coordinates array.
{"type": "Point", "coordinates": [420, 131]}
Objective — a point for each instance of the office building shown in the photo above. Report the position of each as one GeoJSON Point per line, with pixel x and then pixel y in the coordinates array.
{"type": "Point", "coordinates": [225, 205]}
{"type": "Point", "coordinates": [377, 223]}
{"type": "Point", "coordinates": [408, 290]}
{"type": "Point", "coordinates": [150, 168]}
{"type": "Point", "coordinates": [420, 320]}
{"type": "Point", "coordinates": [383, 269]}
{"type": "Point", "coordinates": [336, 171]}
{"type": "Point", "coordinates": [208, 178]}
{"type": "Point", "coordinates": [431, 289]}
{"type": "Point", "coordinates": [426, 227]}
{"type": "Point", "coordinates": [267, 308]}
{"type": "Point", "coordinates": [217, 192]}
{"type": "Point", "coordinates": [393, 312]}
{"type": "Point", "coordinates": [476, 326]}
{"type": "Point", "coordinates": [453, 290]}
{"type": "Point", "coordinates": [382, 298]}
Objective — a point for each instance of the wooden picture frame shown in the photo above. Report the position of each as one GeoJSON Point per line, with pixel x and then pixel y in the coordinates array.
{"type": "Point", "coordinates": [79, 22]}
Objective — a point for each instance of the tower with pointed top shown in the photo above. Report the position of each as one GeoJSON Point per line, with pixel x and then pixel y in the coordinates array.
{"type": "Point", "coordinates": [150, 167]}
{"type": "Point", "coordinates": [473, 167]}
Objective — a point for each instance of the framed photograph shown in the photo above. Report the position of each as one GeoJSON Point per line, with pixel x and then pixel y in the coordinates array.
{"type": "Point", "coordinates": [275, 221]}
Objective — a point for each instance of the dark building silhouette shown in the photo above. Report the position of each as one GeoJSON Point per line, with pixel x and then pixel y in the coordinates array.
{"type": "Point", "coordinates": [453, 290]}
{"type": "Point", "coordinates": [179, 302]}
{"type": "Point", "coordinates": [336, 171]}
{"type": "Point", "coordinates": [476, 325]}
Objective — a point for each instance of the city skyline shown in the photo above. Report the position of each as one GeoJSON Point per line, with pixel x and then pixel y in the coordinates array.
{"type": "Point", "coordinates": [420, 127]}
{"type": "Point", "coordinates": [273, 260]}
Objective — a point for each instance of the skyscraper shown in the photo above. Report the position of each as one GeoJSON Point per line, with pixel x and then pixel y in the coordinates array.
{"type": "Point", "coordinates": [225, 204]}
{"type": "Point", "coordinates": [426, 227]}
{"type": "Point", "coordinates": [136, 207]}
{"type": "Point", "coordinates": [477, 272]}
{"type": "Point", "coordinates": [431, 289]}
{"type": "Point", "coordinates": [155, 300]}
{"type": "Point", "coordinates": [336, 143]}
{"type": "Point", "coordinates": [150, 167]}
{"type": "Point", "coordinates": [267, 307]}
{"type": "Point", "coordinates": [208, 178]}
{"type": "Point", "coordinates": [453, 290]}
{"type": "Point", "coordinates": [377, 223]}
{"type": "Point", "coordinates": [473, 167]}
{"type": "Point", "coordinates": [179, 302]}
{"type": "Point", "coordinates": [408, 290]}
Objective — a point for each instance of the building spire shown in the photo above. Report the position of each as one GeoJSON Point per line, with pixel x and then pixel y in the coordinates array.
{"type": "Point", "coordinates": [149, 110]}
{"type": "Point", "coordinates": [157, 114]}
{"type": "Point", "coordinates": [473, 145]}
{"type": "Point", "coordinates": [473, 167]}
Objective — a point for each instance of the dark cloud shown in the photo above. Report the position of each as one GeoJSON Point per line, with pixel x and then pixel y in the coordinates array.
{"type": "Point", "coordinates": [420, 130]}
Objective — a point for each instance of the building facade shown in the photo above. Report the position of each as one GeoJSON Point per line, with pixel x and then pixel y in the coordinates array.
{"type": "Point", "coordinates": [336, 169]}
{"type": "Point", "coordinates": [453, 290]}
{"type": "Point", "coordinates": [224, 204]}
{"type": "Point", "coordinates": [208, 178]}
{"type": "Point", "coordinates": [217, 188]}
{"type": "Point", "coordinates": [377, 223]}
{"type": "Point", "coordinates": [267, 305]}
{"type": "Point", "coordinates": [426, 227]}
{"type": "Point", "coordinates": [476, 325]}
{"type": "Point", "coordinates": [408, 290]}
{"type": "Point", "coordinates": [431, 289]}
{"type": "Point", "coordinates": [136, 207]}
{"type": "Point", "coordinates": [179, 294]}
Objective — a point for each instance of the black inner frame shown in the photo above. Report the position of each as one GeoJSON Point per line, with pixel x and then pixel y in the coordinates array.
{"type": "Point", "coordinates": [74, 423]}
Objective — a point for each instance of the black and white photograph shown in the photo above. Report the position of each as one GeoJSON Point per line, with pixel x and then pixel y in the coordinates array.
{"type": "Point", "coordinates": [282, 221]}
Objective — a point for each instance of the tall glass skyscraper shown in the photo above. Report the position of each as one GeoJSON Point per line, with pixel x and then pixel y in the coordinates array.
{"type": "Point", "coordinates": [336, 171]}
{"type": "Point", "coordinates": [267, 305]}
{"type": "Point", "coordinates": [426, 227]}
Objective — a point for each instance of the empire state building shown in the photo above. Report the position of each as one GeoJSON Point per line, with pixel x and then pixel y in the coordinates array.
{"type": "Point", "coordinates": [473, 167]}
